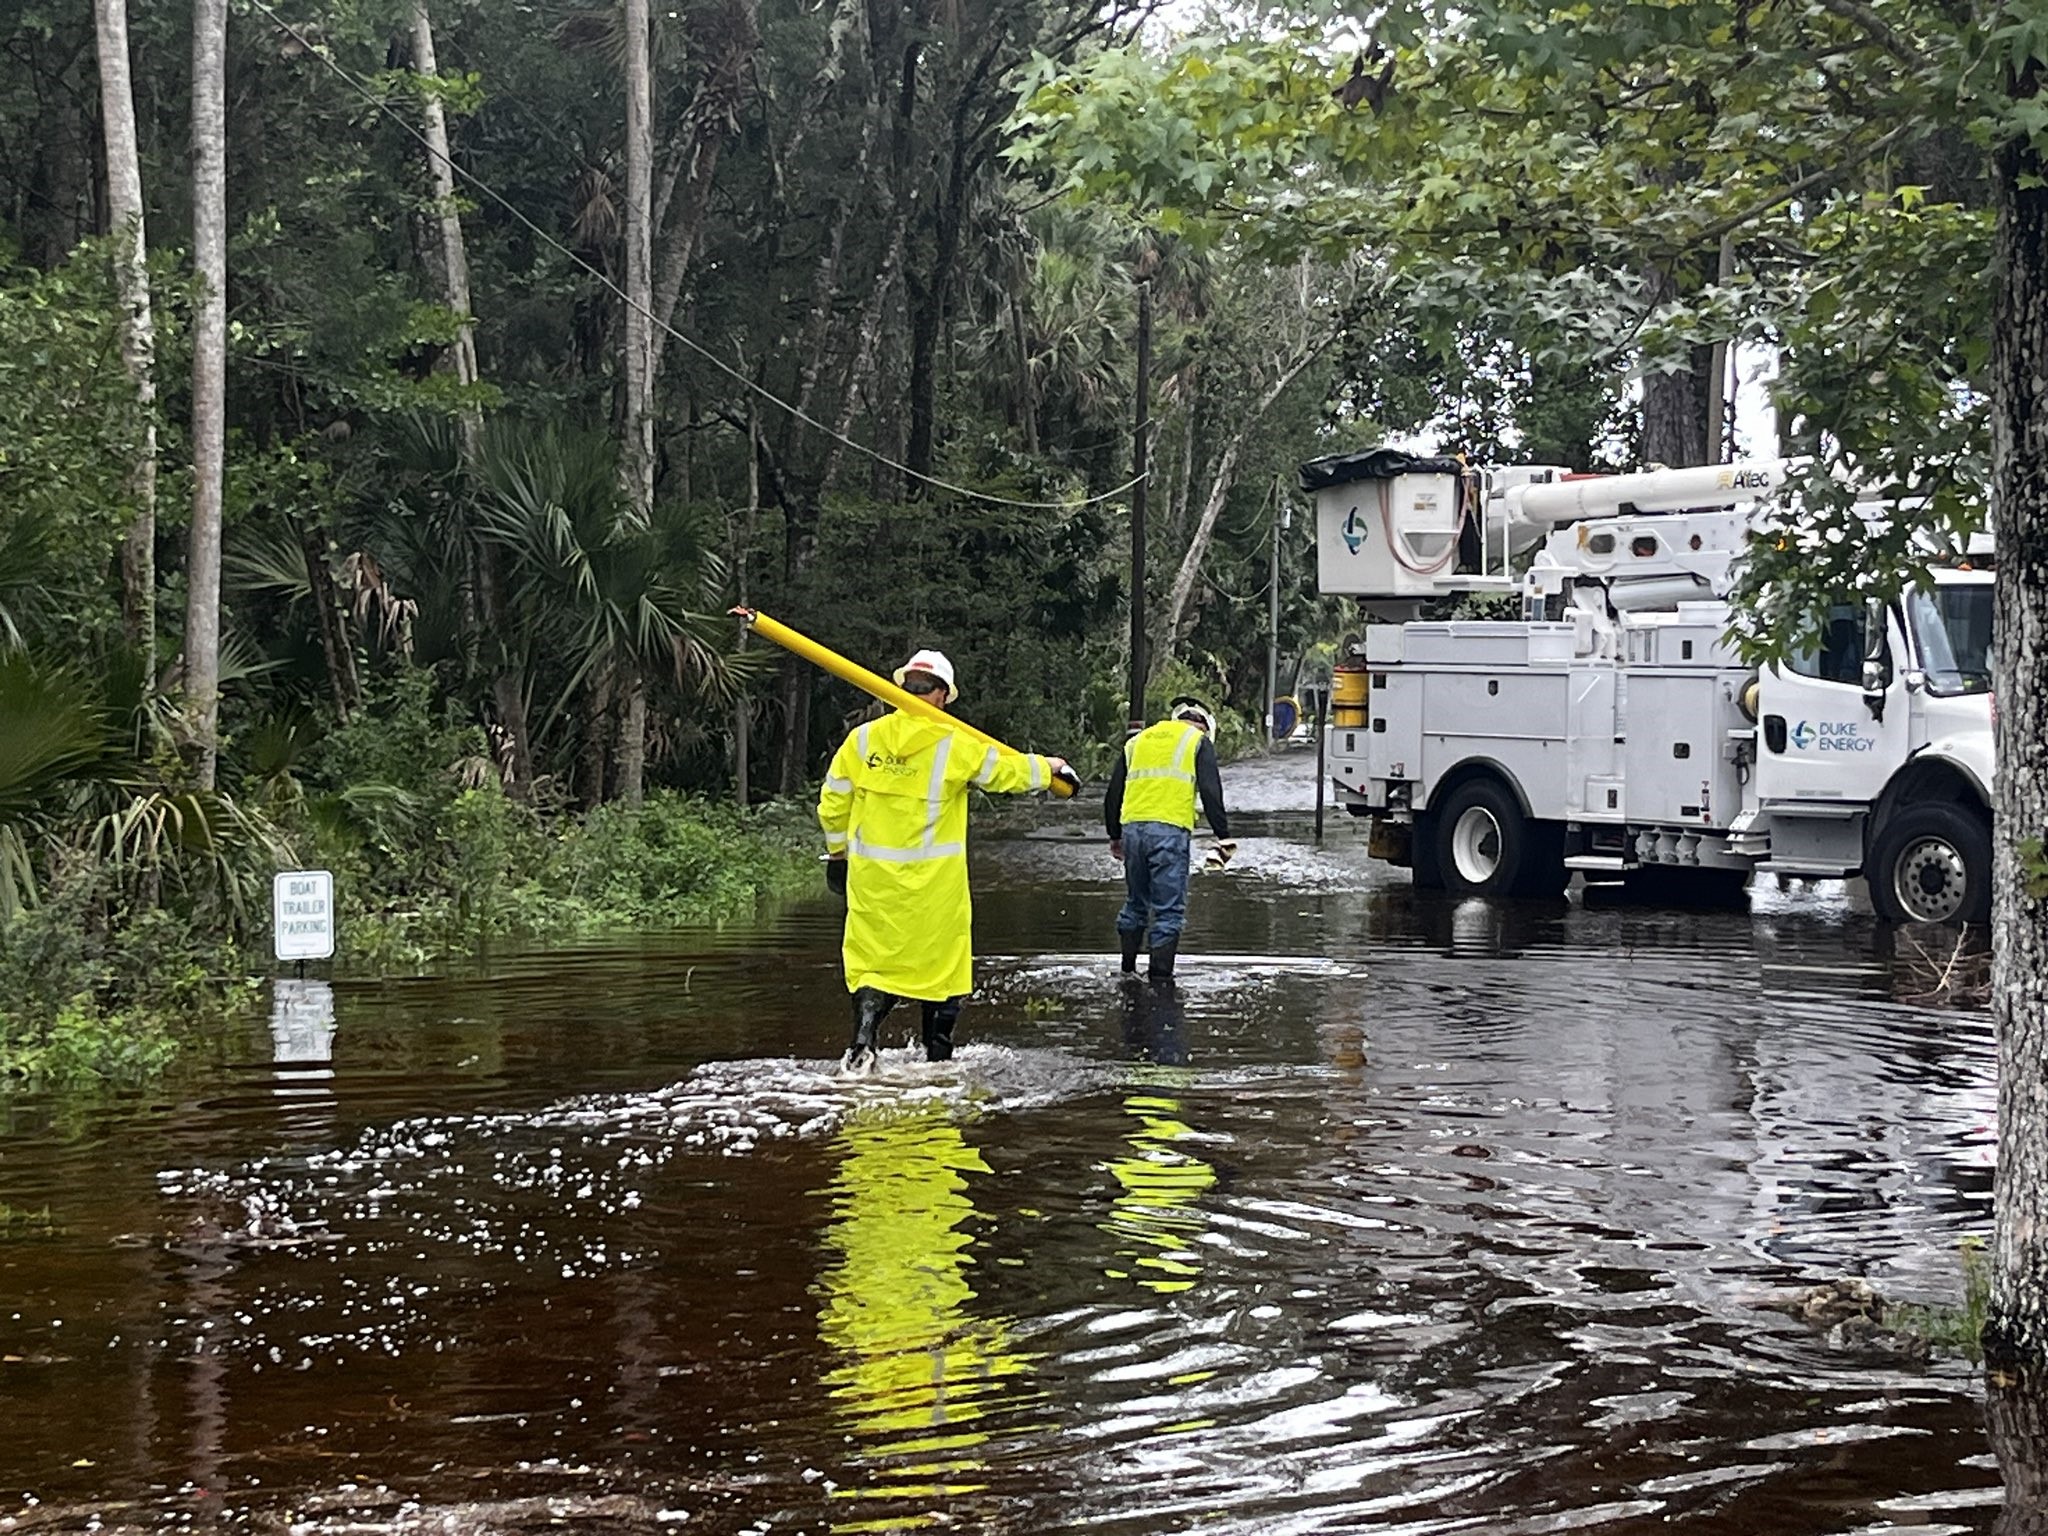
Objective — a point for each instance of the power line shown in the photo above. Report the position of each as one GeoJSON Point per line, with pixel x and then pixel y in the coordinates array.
{"type": "Point", "coordinates": [321, 51]}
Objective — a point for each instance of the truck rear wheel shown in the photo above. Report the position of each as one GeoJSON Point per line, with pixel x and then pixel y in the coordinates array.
{"type": "Point", "coordinates": [1932, 864]}
{"type": "Point", "coordinates": [1485, 846]}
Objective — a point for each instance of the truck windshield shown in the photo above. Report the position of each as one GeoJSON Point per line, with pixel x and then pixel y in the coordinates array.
{"type": "Point", "coordinates": [1952, 631]}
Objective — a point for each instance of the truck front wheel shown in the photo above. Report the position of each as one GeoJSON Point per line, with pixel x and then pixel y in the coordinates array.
{"type": "Point", "coordinates": [1932, 864]}
{"type": "Point", "coordinates": [1485, 846]}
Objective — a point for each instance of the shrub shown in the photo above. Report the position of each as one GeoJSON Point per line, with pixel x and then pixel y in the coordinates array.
{"type": "Point", "coordinates": [88, 988]}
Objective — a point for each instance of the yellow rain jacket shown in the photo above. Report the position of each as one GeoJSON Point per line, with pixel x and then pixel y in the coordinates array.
{"type": "Point", "coordinates": [895, 803]}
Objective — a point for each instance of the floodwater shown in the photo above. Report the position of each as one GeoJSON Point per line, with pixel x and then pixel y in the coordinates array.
{"type": "Point", "coordinates": [1398, 1215]}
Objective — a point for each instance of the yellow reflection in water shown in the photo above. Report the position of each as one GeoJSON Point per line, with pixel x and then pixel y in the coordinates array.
{"type": "Point", "coordinates": [1157, 1214]}
{"type": "Point", "coordinates": [918, 1370]}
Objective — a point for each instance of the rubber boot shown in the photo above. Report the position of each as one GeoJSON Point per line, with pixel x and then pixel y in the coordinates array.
{"type": "Point", "coordinates": [1132, 943]}
{"type": "Point", "coordinates": [1161, 968]}
{"type": "Point", "coordinates": [870, 1006]}
{"type": "Point", "coordinates": [939, 1019]}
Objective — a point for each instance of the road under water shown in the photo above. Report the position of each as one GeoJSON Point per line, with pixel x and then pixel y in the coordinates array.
{"type": "Point", "coordinates": [1396, 1215]}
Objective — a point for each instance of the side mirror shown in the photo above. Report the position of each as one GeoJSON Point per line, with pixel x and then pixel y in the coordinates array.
{"type": "Point", "coordinates": [1875, 681]}
{"type": "Point", "coordinates": [1876, 669]}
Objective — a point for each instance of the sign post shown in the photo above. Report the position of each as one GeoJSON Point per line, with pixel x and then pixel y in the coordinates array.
{"type": "Point", "coordinates": [302, 929]}
{"type": "Point", "coordinates": [302, 914]}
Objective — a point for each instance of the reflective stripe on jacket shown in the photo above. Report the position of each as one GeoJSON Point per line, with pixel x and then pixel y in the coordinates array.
{"type": "Point", "coordinates": [1159, 774]}
{"type": "Point", "coordinates": [895, 803]}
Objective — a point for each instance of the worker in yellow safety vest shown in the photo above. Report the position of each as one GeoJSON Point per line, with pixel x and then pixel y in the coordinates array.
{"type": "Point", "coordinates": [894, 810]}
{"type": "Point", "coordinates": [1149, 811]}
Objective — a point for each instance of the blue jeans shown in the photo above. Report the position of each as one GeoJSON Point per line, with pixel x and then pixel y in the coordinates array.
{"type": "Point", "coordinates": [1155, 881]}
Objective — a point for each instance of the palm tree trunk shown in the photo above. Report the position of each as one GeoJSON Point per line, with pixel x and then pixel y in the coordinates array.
{"type": "Point", "coordinates": [633, 735]}
{"type": "Point", "coordinates": [590, 770]}
{"type": "Point", "coordinates": [636, 464]}
{"type": "Point", "coordinates": [209, 379]}
{"type": "Point", "coordinates": [138, 329]}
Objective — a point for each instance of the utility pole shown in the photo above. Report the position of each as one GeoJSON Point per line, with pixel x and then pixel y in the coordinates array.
{"type": "Point", "coordinates": [1139, 475]}
{"type": "Point", "coordinates": [1720, 393]}
{"type": "Point", "coordinates": [1273, 619]}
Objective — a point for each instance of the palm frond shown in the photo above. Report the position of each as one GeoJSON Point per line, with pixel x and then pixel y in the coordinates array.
{"type": "Point", "coordinates": [29, 564]}
{"type": "Point", "coordinates": [266, 560]}
{"type": "Point", "coordinates": [17, 872]}
{"type": "Point", "coordinates": [186, 835]}
{"type": "Point", "coordinates": [240, 661]}
{"type": "Point", "coordinates": [278, 743]}
{"type": "Point", "coordinates": [53, 728]}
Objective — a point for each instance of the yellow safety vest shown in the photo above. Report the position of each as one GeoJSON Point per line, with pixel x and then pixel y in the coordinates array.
{"type": "Point", "coordinates": [895, 804]}
{"type": "Point", "coordinates": [1159, 774]}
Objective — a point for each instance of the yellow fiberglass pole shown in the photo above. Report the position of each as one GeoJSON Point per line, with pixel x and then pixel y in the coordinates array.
{"type": "Point", "coordinates": [874, 683]}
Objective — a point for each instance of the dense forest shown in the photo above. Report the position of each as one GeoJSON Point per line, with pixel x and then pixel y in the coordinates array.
{"type": "Point", "coordinates": [527, 431]}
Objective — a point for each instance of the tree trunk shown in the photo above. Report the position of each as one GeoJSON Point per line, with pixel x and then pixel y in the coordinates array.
{"type": "Point", "coordinates": [636, 463]}
{"type": "Point", "coordinates": [2016, 1332]}
{"type": "Point", "coordinates": [209, 379]}
{"type": "Point", "coordinates": [799, 546]}
{"type": "Point", "coordinates": [454, 254]}
{"type": "Point", "coordinates": [713, 117]}
{"type": "Point", "coordinates": [1673, 420]}
{"type": "Point", "coordinates": [796, 712]}
{"type": "Point", "coordinates": [1184, 482]}
{"type": "Point", "coordinates": [2017, 1418]}
{"type": "Point", "coordinates": [597, 705]}
{"type": "Point", "coordinates": [800, 543]}
{"type": "Point", "coordinates": [1027, 389]}
{"type": "Point", "coordinates": [866, 344]}
{"type": "Point", "coordinates": [508, 690]}
{"type": "Point", "coordinates": [743, 544]}
{"type": "Point", "coordinates": [138, 329]}
{"type": "Point", "coordinates": [334, 641]}
{"type": "Point", "coordinates": [1220, 483]}
{"type": "Point", "coordinates": [1719, 418]}
{"type": "Point", "coordinates": [633, 734]}
{"type": "Point", "coordinates": [927, 315]}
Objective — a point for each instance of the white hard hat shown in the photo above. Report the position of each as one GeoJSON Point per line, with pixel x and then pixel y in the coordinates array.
{"type": "Point", "coordinates": [1195, 713]}
{"type": "Point", "coordinates": [936, 664]}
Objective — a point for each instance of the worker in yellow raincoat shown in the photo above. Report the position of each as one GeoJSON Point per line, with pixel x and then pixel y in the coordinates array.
{"type": "Point", "coordinates": [894, 810]}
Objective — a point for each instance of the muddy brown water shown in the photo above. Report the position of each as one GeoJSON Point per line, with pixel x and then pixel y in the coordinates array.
{"type": "Point", "coordinates": [1399, 1215]}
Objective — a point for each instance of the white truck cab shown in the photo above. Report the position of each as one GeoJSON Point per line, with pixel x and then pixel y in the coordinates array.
{"type": "Point", "coordinates": [1613, 730]}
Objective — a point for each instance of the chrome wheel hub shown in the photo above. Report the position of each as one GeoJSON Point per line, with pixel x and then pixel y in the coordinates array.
{"type": "Point", "coordinates": [1475, 845]}
{"type": "Point", "coordinates": [1930, 881]}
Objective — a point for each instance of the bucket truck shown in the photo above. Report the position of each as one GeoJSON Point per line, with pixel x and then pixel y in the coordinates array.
{"type": "Point", "coordinates": [1611, 729]}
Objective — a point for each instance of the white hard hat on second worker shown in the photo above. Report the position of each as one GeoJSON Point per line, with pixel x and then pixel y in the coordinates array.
{"type": "Point", "coordinates": [936, 664]}
{"type": "Point", "coordinates": [1195, 712]}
